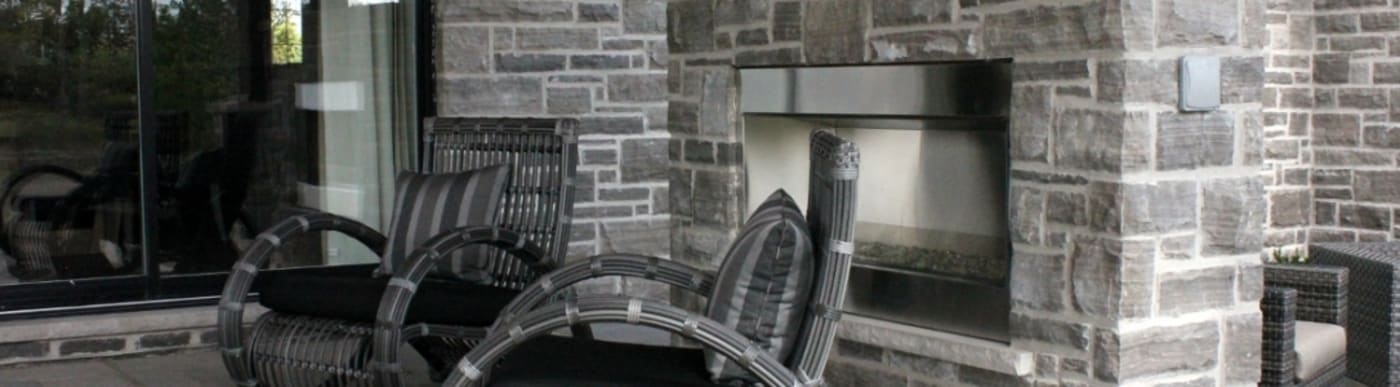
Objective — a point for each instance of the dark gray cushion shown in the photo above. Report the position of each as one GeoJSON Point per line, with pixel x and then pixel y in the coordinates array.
{"type": "Point", "coordinates": [429, 204]}
{"type": "Point", "coordinates": [764, 285]}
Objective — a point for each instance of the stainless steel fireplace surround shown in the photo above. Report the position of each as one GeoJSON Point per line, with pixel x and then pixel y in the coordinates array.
{"type": "Point", "coordinates": [933, 246]}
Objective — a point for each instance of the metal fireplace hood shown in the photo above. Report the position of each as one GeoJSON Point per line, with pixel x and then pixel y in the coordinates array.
{"type": "Point", "coordinates": [941, 96]}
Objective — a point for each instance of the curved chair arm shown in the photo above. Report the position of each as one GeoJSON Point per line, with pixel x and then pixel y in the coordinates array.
{"type": "Point", "coordinates": [393, 307]}
{"type": "Point", "coordinates": [8, 187]}
{"type": "Point", "coordinates": [626, 265]}
{"type": "Point", "coordinates": [12, 184]}
{"type": "Point", "coordinates": [246, 269]}
{"type": "Point", "coordinates": [709, 333]}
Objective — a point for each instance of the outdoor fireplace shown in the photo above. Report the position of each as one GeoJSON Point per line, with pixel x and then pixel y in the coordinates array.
{"type": "Point", "coordinates": [932, 244]}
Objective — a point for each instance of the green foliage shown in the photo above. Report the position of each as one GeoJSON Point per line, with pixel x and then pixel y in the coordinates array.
{"type": "Point", "coordinates": [286, 35]}
{"type": "Point", "coordinates": [1288, 256]}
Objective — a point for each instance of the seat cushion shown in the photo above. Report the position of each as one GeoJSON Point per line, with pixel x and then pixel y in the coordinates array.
{"type": "Point", "coordinates": [562, 361]}
{"type": "Point", "coordinates": [1318, 345]}
{"type": "Point", "coordinates": [354, 295]}
{"type": "Point", "coordinates": [763, 287]}
{"type": "Point", "coordinates": [427, 205]}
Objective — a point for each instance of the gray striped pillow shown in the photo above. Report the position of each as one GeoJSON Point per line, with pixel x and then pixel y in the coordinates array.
{"type": "Point", "coordinates": [763, 287]}
{"type": "Point", "coordinates": [429, 204]}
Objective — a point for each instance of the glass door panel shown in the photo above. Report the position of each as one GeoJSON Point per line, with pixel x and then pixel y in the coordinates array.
{"type": "Point", "coordinates": [289, 119]}
{"type": "Point", "coordinates": [68, 143]}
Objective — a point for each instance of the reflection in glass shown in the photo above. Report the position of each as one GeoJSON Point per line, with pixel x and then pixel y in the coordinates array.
{"type": "Point", "coordinates": [294, 119]}
{"type": "Point", "coordinates": [68, 132]}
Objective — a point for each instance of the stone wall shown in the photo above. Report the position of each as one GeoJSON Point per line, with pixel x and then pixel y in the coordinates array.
{"type": "Point", "coordinates": [1334, 121]}
{"type": "Point", "coordinates": [1136, 227]}
{"type": "Point", "coordinates": [602, 61]}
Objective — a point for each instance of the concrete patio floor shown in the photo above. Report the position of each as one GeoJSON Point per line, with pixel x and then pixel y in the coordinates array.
{"type": "Point", "coordinates": [184, 368]}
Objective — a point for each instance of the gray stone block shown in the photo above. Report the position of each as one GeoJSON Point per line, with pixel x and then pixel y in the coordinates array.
{"type": "Point", "coordinates": [491, 96]}
{"type": "Point", "coordinates": [1027, 214]}
{"type": "Point", "coordinates": [29, 349]}
{"type": "Point", "coordinates": [645, 236]}
{"type": "Point", "coordinates": [611, 125]}
{"type": "Point", "coordinates": [752, 37]}
{"type": "Point", "coordinates": [1380, 21]}
{"type": "Point", "coordinates": [1111, 278]}
{"type": "Point", "coordinates": [556, 38]}
{"type": "Point", "coordinates": [164, 340]}
{"type": "Point", "coordinates": [1192, 291]}
{"type": "Point", "coordinates": [1050, 71]}
{"type": "Point", "coordinates": [1076, 336]}
{"type": "Point", "coordinates": [1243, 344]}
{"type": "Point", "coordinates": [464, 50]}
{"type": "Point", "coordinates": [506, 11]}
{"type": "Point", "coordinates": [834, 31]}
{"type": "Point", "coordinates": [895, 13]}
{"type": "Point", "coordinates": [637, 87]}
{"type": "Point", "coordinates": [980, 377]}
{"type": "Point", "coordinates": [599, 12]}
{"type": "Point", "coordinates": [1148, 81]}
{"type": "Point", "coordinates": [1046, 29]}
{"type": "Point", "coordinates": [1382, 137]}
{"type": "Point", "coordinates": [693, 26]}
{"type": "Point", "coordinates": [529, 63]}
{"type": "Point", "coordinates": [769, 57]}
{"type": "Point", "coordinates": [1377, 186]}
{"type": "Point", "coordinates": [1158, 207]}
{"type": "Point", "coordinates": [923, 366]}
{"type": "Point", "coordinates": [1364, 217]}
{"type": "Point", "coordinates": [85, 346]}
{"type": "Point", "coordinates": [1387, 73]}
{"type": "Point", "coordinates": [1289, 208]}
{"type": "Point", "coordinates": [644, 17]}
{"type": "Point", "coordinates": [569, 100]}
{"type": "Point", "coordinates": [600, 61]}
{"type": "Point", "coordinates": [1331, 68]}
{"type": "Point", "coordinates": [1067, 208]}
{"type": "Point", "coordinates": [1176, 349]}
{"type": "Point", "coordinates": [644, 160]}
{"type": "Point", "coordinates": [787, 21]}
{"type": "Point", "coordinates": [1338, 24]}
{"type": "Point", "coordinates": [1104, 141]}
{"type": "Point", "coordinates": [1038, 281]}
{"type": "Point", "coordinates": [1233, 213]}
{"type": "Point", "coordinates": [922, 45]}
{"type": "Point", "coordinates": [1195, 23]}
{"type": "Point", "coordinates": [1195, 140]}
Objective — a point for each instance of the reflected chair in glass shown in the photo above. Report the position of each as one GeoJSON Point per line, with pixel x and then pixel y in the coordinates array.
{"type": "Point", "coordinates": [1305, 325]}
{"type": "Point", "coordinates": [59, 223]}
{"type": "Point", "coordinates": [320, 327]}
{"type": "Point", "coordinates": [532, 359]}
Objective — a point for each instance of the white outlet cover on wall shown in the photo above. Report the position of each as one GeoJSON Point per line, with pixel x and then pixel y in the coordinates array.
{"type": "Point", "coordinates": [1200, 83]}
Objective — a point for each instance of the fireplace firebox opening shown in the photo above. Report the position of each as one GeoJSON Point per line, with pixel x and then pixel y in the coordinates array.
{"type": "Point", "coordinates": [933, 239]}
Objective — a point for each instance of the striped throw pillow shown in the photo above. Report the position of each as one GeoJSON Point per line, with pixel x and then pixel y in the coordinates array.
{"type": "Point", "coordinates": [429, 204]}
{"type": "Point", "coordinates": [763, 287]}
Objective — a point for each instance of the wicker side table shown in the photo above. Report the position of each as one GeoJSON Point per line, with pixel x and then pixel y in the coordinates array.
{"type": "Point", "coordinates": [1373, 317]}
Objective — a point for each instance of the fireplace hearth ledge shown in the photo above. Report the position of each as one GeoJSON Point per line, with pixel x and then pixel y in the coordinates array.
{"type": "Point", "coordinates": [957, 349]}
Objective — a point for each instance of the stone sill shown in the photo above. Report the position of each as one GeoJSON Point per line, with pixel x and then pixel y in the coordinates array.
{"type": "Point", "coordinates": [117, 324]}
{"type": "Point", "coordinates": [957, 349]}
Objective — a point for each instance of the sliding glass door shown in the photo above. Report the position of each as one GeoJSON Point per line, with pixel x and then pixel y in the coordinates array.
{"type": "Point", "coordinates": [144, 143]}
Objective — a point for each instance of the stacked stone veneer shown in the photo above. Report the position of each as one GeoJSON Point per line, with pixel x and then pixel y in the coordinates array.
{"type": "Point", "coordinates": [601, 61]}
{"type": "Point", "coordinates": [1333, 121]}
{"type": "Point", "coordinates": [1137, 228]}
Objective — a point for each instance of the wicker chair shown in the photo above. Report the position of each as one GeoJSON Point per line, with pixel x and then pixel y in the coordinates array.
{"type": "Point", "coordinates": [1308, 304]}
{"type": "Point", "coordinates": [529, 239]}
{"type": "Point", "coordinates": [1373, 311]}
{"type": "Point", "coordinates": [830, 213]}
